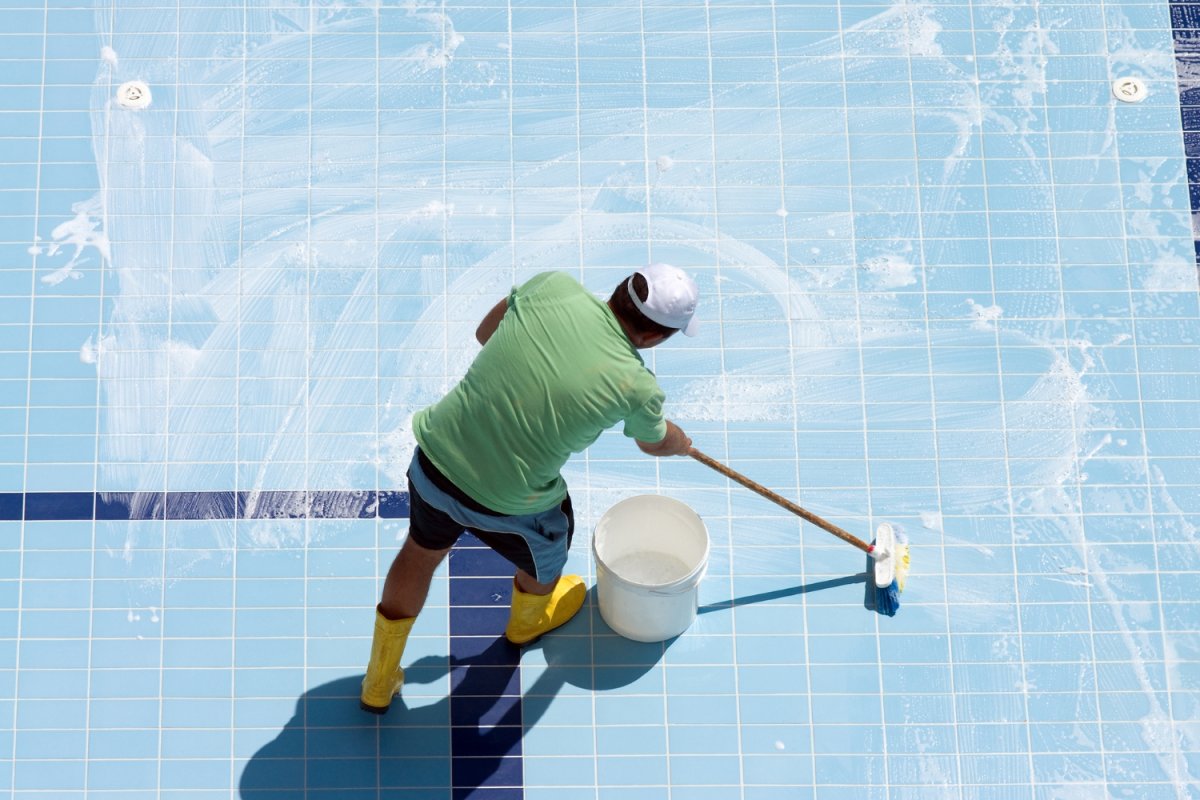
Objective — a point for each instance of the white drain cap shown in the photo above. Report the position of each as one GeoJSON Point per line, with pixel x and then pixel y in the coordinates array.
{"type": "Point", "coordinates": [1129, 90]}
{"type": "Point", "coordinates": [133, 94]}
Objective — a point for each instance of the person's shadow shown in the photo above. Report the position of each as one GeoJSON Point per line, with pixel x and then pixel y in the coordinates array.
{"type": "Point", "coordinates": [466, 745]}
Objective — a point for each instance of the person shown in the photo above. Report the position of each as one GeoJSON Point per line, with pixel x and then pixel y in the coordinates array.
{"type": "Point", "coordinates": [558, 367]}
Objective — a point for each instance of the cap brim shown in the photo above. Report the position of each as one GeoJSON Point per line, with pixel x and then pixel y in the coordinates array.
{"type": "Point", "coordinates": [692, 328]}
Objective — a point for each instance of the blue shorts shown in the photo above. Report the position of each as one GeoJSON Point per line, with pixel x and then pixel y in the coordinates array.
{"type": "Point", "coordinates": [439, 512]}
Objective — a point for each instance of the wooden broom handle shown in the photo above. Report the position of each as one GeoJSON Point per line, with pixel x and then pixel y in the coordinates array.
{"type": "Point", "coordinates": [845, 536]}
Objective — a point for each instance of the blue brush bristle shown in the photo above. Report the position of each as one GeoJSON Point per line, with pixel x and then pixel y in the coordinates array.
{"type": "Point", "coordinates": [887, 600]}
{"type": "Point", "coordinates": [882, 599]}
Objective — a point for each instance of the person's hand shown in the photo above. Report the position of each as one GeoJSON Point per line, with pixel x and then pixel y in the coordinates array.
{"type": "Point", "coordinates": [675, 443]}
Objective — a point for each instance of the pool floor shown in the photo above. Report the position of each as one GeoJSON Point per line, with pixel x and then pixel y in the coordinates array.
{"type": "Point", "coordinates": [948, 280]}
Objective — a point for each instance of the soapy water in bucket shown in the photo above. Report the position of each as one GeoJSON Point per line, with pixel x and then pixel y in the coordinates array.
{"type": "Point", "coordinates": [649, 568]}
{"type": "Point", "coordinates": [651, 554]}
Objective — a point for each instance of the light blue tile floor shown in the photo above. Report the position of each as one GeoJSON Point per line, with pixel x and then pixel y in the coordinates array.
{"type": "Point", "coordinates": [949, 281]}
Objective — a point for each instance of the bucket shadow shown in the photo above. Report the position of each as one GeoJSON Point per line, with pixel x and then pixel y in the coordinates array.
{"type": "Point", "coordinates": [791, 591]}
{"type": "Point", "coordinates": [463, 746]}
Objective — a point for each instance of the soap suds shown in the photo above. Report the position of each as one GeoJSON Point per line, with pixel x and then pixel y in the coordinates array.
{"type": "Point", "coordinates": [81, 232]}
{"type": "Point", "coordinates": [984, 316]}
{"type": "Point", "coordinates": [890, 272]}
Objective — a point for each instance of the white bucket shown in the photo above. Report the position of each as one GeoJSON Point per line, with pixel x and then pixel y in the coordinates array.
{"type": "Point", "coordinates": [651, 552]}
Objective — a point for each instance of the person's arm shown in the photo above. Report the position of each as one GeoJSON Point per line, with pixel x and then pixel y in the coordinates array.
{"type": "Point", "coordinates": [675, 443]}
{"type": "Point", "coordinates": [491, 321]}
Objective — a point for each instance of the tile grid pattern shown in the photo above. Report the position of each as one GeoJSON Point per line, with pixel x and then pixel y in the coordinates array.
{"type": "Point", "coordinates": [989, 760]}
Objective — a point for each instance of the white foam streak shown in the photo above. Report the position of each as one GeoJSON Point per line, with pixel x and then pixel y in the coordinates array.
{"type": "Point", "coordinates": [890, 271]}
{"type": "Point", "coordinates": [438, 54]}
{"type": "Point", "coordinates": [984, 317]}
{"type": "Point", "coordinates": [84, 230]}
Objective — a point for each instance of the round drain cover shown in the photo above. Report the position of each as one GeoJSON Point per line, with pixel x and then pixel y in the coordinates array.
{"type": "Point", "coordinates": [1129, 90]}
{"type": "Point", "coordinates": [133, 94]}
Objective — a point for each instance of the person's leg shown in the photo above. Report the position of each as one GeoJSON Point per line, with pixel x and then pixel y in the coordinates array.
{"type": "Point", "coordinates": [529, 584]}
{"type": "Point", "coordinates": [408, 579]}
{"type": "Point", "coordinates": [541, 606]}
{"type": "Point", "coordinates": [431, 532]}
{"type": "Point", "coordinates": [535, 613]}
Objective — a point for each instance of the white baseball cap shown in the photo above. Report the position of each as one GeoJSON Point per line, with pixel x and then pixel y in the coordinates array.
{"type": "Point", "coordinates": [671, 299]}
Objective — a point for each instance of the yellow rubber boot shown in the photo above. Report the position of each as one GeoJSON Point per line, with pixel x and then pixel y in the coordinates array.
{"type": "Point", "coordinates": [535, 614]}
{"type": "Point", "coordinates": [384, 675]}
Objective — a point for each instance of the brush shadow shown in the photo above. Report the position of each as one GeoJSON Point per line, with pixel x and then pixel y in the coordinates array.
{"type": "Point", "coordinates": [778, 594]}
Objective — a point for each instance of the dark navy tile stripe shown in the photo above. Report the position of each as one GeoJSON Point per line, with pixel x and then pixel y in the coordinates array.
{"type": "Point", "coordinates": [1185, 24]}
{"type": "Point", "coordinates": [11, 506]}
{"type": "Point", "coordinates": [60, 506]}
{"type": "Point", "coordinates": [52, 506]}
{"type": "Point", "coordinates": [485, 679]}
{"type": "Point", "coordinates": [1185, 15]}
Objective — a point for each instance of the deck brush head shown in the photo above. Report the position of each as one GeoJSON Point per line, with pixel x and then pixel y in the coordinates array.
{"type": "Point", "coordinates": [889, 570]}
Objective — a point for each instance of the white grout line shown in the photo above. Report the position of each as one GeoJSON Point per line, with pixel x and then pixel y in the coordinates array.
{"type": "Point", "coordinates": [1010, 503]}
{"type": "Point", "coordinates": [237, 402]}
{"type": "Point", "coordinates": [16, 703]}
{"type": "Point", "coordinates": [719, 320]}
{"type": "Point", "coordinates": [652, 355]}
{"type": "Point", "coordinates": [787, 318]}
{"type": "Point", "coordinates": [862, 384]}
{"type": "Point", "coordinates": [306, 525]}
{"type": "Point", "coordinates": [380, 525]}
{"type": "Point", "coordinates": [586, 508]}
{"type": "Point", "coordinates": [96, 482]}
{"type": "Point", "coordinates": [959, 776]}
{"type": "Point", "coordinates": [166, 422]}
{"type": "Point", "coordinates": [443, 69]}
